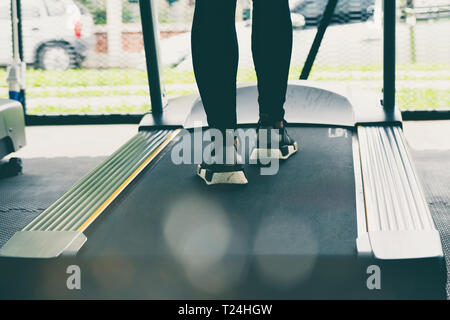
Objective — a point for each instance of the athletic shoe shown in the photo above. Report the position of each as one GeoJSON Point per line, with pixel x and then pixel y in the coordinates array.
{"type": "Point", "coordinates": [229, 170]}
{"type": "Point", "coordinates": [286, 145]}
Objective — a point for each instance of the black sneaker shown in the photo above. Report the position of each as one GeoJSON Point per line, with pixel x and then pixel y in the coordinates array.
{"type": "Point", "coordinates": [286, 145]}
{"type": "Point", "coordinates": [229, 170]}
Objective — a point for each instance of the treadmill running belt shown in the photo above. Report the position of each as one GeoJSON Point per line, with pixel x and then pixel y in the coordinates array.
{"type": "Point", "coordinates": [281, 214]}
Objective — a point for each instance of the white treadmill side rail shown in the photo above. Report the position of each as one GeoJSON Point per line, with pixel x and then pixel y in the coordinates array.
{"type": "Point", "coordinates": [399, 223]}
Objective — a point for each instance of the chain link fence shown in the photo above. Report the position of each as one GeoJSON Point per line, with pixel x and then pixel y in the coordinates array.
{"type": "Point", "coordinates": [87, 56]}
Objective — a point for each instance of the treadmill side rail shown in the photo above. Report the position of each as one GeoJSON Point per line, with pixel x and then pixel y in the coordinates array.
{"type": "Point", "coordinates": [389, 245]}
{"type": "Point", "coordinates": [363, 246]}
{"type": "Point", "coordinates": [43, 244]}
{"type": "Point", "coordinates": [58, 229]}
{"type": "Point", "coordinates": [399, 222]}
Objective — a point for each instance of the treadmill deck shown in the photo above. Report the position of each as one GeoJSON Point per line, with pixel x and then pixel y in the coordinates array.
{"type": "Point", "coordinates": [271, 215]}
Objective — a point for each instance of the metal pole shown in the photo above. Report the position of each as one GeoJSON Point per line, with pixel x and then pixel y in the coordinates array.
{"type": "Point", "coordinates": [149, 32]}
{"type": "Point", "coordinates": [21, 55]}
{"type": "Point", "coordinates": [19, 29]}
{"type": "Point", "coordinates": [15, 30]}
{"type": "Point", "coordinates": [326, 19]}
{"type": "Point", "coordinates": [389, 17]}
{"type": "Point", "coordinates": [16, 72]}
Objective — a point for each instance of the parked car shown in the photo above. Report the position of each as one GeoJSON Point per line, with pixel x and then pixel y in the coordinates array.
{"type": "Point", "coordinates": [298, 21]}
{"type": "Point", "coordinates": [56, 33]}
{"type": "Point", "coordinates": [346, 10]}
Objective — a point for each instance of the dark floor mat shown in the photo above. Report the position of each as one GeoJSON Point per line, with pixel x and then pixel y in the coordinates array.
{"type": "Point", "coordinates": [434, 170]}
{"type": "Point", "coordinates": [43, 180]}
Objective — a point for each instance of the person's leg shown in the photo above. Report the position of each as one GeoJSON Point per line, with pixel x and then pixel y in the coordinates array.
{"type": "Point", "coordinates": [272, 48]}
{"type": "Point", "coordinates": [215, 60]}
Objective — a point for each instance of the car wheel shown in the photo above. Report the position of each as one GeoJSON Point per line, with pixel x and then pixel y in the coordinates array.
{"type": "Point", "coordinates": [57, 57]}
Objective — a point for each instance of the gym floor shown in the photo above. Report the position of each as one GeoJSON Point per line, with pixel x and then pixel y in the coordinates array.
{"type": "Point", "coordinates": [56, 157]}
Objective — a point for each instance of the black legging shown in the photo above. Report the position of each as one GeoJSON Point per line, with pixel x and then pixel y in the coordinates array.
{"type": "Point", "coordinates": [215, 57]}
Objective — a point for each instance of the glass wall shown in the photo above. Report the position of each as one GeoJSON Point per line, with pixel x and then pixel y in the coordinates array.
{"type": "Point", "coordinates": [87, 57]}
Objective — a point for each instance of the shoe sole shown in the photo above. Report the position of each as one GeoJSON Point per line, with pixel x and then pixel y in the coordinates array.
{"type": "Point", "coordinates": [259, 153]}
{"type": "Point", "coordinates": [232, 177]}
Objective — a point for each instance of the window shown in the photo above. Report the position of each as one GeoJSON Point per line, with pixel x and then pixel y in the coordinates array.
{"type": "Point", "coordinates": [55, 7]}
{"type": "Point", "coordinates": [30, 11]}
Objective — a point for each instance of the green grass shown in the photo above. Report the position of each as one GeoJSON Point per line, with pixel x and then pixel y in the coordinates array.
{"type": "Point", "coordinates": [423, 99]}
{"type": "Point", "coordinates": [406, 99]}
{"type": "Point", "coordinates": [88, 109]}
{"type": "Point", "coordinates": [57, 83]}
{"type": "Point", "coordinates": [84, 93]}
{"type": "Point", "coordinates": [115, 77]}
{"type": "Point", "coordinates": [99, 93]}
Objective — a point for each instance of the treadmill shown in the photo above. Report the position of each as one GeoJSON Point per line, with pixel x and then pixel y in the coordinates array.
{"type": "Point", "coordinates": [12, 135]}
{"type": "Point", "coordinates": [344, 218]}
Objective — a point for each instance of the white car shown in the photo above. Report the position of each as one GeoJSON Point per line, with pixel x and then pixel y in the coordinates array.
{"type": "Point", "coordinates": [56, 34]}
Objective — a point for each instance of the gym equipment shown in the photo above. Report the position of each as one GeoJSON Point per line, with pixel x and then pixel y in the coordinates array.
{"type": "Point", "coordinates": [344, 218]}
{"type": "Point", "coordinates": [12, 135]}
